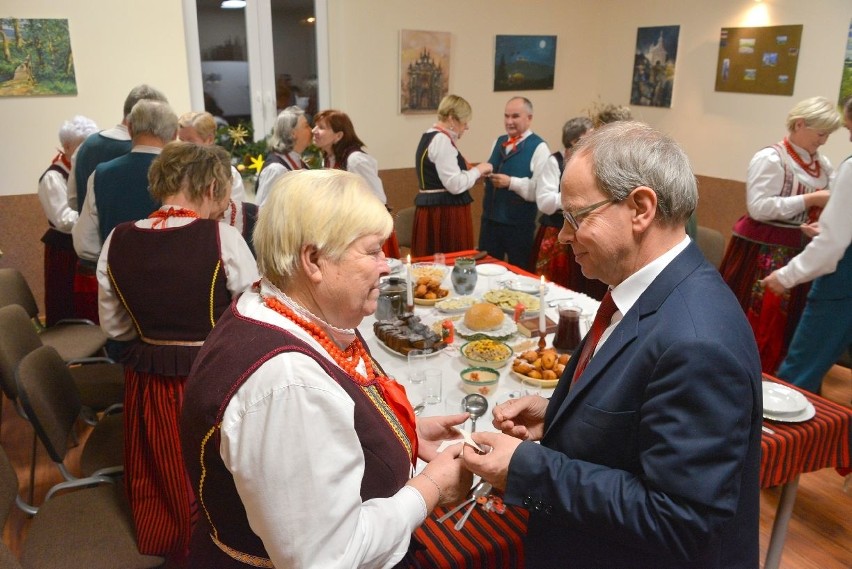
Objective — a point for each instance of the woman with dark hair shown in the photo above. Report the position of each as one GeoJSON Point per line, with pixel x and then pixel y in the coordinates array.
{"type": "Point", "coordinates": [164, 281]}
{"type": "Point", "coordinates": [335, 136]}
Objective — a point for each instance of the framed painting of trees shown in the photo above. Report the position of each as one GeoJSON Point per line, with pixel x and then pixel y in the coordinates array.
{"type": "Point", "coordinates": [36, 58]}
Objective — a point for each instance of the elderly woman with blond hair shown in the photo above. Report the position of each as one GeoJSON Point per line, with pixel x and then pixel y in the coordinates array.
{"type": "Point", "coordinates": [290, 136]}
{"type": "Point", "coordinates": [787, 187]}
{"type": "Point", "coordinates": [299, 445]}
{"type": "Point", "coordinates": [163, 283]}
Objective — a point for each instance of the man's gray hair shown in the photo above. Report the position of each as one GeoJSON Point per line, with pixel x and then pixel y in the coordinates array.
{"type": "Point", "coordinates": [628, 154]}
{"type": "Point", "coordinates": [153, 117]}
{"type": "Point", "coordinates": [139, 93]}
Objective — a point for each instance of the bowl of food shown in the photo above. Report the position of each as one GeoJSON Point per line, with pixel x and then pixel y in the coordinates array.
{"type": "Point", "coordinates": [486, 353]}
{"type": "Point", "coordinates": [482, 380]}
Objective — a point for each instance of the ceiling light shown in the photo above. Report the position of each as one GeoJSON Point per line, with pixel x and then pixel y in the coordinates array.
{"type": "Point", "coordinates": [233, 4]}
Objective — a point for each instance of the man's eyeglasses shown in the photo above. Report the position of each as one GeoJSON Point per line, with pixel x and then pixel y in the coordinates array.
{"type": "Point", "coordinates": [574, 218]}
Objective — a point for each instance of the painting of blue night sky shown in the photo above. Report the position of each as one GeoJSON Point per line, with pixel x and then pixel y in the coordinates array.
{"type": "Point", "coordinates": [524, 63]}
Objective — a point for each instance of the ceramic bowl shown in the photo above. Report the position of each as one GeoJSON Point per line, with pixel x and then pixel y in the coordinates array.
{"type": "Point", "coordinates": [482, 380]}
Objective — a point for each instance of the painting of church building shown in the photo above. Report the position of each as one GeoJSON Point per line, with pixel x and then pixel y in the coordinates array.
{"type": "Point", "coordinates": [424, 70]}
{"type": "Point", "coordinates": [654, 66]}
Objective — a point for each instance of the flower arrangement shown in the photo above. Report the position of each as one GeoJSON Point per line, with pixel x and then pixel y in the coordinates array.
{"type": "Point", "coordinates": [246, 153]}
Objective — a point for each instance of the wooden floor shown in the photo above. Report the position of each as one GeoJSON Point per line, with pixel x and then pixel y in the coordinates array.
{"type": "Point", "coordinates": [819, 535]}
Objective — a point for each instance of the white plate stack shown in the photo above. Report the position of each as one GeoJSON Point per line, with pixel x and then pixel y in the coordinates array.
{"type": "Point", "coordinates": [780, 403]}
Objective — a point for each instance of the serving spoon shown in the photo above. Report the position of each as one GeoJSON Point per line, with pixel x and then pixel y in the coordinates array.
{"type": "Point", "coordinates": [476, 405]}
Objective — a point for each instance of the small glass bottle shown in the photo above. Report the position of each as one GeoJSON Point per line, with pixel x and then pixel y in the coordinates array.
{"type": "Point", "coordinates": [464, 276]}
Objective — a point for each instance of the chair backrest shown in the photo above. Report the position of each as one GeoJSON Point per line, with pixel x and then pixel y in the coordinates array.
{"type": "Point", "coordinates": [711, 243]}
{"type": "Point", "coordinates": [18, 337]}
{"type": "Point", "coordinates": [14, 289]}
{"type": "Point", "coordinates": [50, 399]}
{"type": "Point", "coordinates": [404, 226]}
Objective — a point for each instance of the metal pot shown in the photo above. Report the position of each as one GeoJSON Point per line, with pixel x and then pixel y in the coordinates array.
{"type": "Point", "coordinates": [392, 297]}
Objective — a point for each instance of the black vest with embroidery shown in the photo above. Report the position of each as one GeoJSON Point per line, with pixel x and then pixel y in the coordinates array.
{"type": "Point", "coordinates": [236, 348]}
{"type": "Point", "coordinates": [428, 179]}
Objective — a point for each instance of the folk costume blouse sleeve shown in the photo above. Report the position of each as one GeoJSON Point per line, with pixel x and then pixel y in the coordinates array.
{"type": "Point", "coordinates": [823, 253]}
{"type": "Point", "coordinates": [526, 187]}
{"type": "Point", "coordinates": [87, 240]}
{"type": "Point", "coordinates": [367, 167]}
{"type": "Point", "coordinates": [766, 181]}
{"type": "Point", "coordinates": [301, 492]}
{"type": "Point", "coordinates": [547, 196]}
{"type": "Point", "coordinates": [444, 154]}
{"type": "Point", "coordinates": [53, 195]}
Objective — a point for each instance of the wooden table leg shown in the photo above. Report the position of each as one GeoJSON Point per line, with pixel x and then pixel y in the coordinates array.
{"type": "Point", "coordinates": [779, 526]}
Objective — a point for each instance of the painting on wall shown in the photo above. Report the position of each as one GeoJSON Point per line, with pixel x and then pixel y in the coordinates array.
{"type": "Point", "coordinates": [424, 70]}
{"type": "Point", "coordinates": [36, 58]}
{"type": "Point", "coordinates": [758, 60]}
{"type": "Point", "coordinates": [846, 79]}
{"type": "Point", "coordinates": [524, 63]}
{"type": "Point", "coordinates": [654, 66]}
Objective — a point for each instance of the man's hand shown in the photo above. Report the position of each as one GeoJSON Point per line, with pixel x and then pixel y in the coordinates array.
{"type": "Point", "coordinates": [522, 418]}
{"type": "Point", "coordinates": [493, 466]}
{"type": "Point", "coordinates": [500, 180]}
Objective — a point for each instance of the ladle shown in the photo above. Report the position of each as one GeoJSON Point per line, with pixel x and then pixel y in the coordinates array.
{"type": "Point", "coordinates": [476, 405]}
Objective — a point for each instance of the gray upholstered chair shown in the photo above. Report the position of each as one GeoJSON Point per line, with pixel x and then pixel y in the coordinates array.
{"type": "Point", "coordinates": [403, 224]}
{"type": "Point", "coordinates": [712, 244]}
{"type": "Point", "coordinates": [73, 339]}
{"type": "Point", "coordinates": [87, 528]}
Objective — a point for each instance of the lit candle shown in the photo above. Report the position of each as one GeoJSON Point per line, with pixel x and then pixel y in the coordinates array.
{"type": "Point", "coordinates": [541, 319]}
{"type": "Point", "coordinates": [410, 297]}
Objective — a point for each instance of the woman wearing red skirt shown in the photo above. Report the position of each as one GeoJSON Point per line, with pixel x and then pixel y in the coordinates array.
{"type": "Point", "coordinates": [164, 281]}
{"type": "Point", "coordinates": [787, 187]}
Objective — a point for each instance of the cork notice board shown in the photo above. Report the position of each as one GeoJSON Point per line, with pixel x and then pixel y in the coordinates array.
{"type": "Point", "coordinates": [758, 60]}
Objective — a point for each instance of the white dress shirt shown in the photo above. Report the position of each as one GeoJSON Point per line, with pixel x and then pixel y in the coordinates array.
{"type": "Point", "coordinates": [443, 153]}
{"type": "Point", "coordinates": [288, 437]}
{"type": "Point", "coordinates": [823, 253]}
{"type": "Point", "coordinates": [53, 195]}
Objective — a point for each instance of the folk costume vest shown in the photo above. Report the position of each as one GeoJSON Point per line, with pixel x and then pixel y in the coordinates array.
{"type": "Point", "coordinates": [275, 158]}
{"type": "Point", "coordinates": [789, 234]}
{"type": "Point", "coordinates": [95, 150]}
{"type": "Point", "coordinates": [505, 206]}
{"type": "Point", "coordinates": [172, 327]}
{"type": "Point", "coordinates": [236, 347]}
{"type": "Point", "coordinates": [121, 191]}
{"type": "Point", "coordinates": [53, 237]}
{"type": "Point", "coordinates": [432, 191]}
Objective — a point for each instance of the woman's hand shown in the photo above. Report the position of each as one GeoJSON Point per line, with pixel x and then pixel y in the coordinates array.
{"type": "Point", "coordinates": [810, 230]}
{"type": "Point", "coordinates": [450, 481]}
{"type": "Point", "coordinates": [432, 431]}
{"type": "Point", "coordinates": [816, 199]}
{"type": "Point", "coordinates": [522, 418]}
{"type": "Point", "coordinates": [485, 168]}
{"type": "Point", "coordinates": [772, 283]}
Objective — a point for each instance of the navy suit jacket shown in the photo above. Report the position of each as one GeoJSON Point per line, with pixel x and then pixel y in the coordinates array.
{"type": "Point", "coordinates": [652, 459]}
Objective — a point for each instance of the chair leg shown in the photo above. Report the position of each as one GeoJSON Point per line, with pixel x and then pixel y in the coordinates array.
{"type": "Point", "coordinates": [32, 468]}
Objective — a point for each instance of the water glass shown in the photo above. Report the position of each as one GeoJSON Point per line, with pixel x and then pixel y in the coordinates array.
{"type": "Point", "coordinates": [432, 386]}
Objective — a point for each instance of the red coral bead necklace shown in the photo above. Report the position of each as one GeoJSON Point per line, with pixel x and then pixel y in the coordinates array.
{"type": "Point", "coordinates": [814, 168]}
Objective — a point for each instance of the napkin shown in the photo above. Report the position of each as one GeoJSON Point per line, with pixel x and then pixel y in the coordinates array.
{"type": "Point", "coordinates": [466, 439]}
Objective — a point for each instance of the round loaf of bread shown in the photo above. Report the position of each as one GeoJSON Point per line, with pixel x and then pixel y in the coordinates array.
{"type": "Point", "coordinates": [483, 317]}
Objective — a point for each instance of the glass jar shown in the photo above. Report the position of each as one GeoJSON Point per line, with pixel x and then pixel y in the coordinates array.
{"type": "Point", "coordinates": [464, 275]}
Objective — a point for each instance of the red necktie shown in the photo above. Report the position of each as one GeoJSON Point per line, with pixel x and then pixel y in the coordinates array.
{"type": "Point", "coordinates": [512, 142]}
{"type": "Point", "coordinates": [601, 323]}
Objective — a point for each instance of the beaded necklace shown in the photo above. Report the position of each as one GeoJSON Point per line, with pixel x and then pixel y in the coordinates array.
{"type": "Point", "coordinates": [161, 215]}
{"type": "Point", "coordinates": [814, 168]}
{"type": "Point", "coordinates": [233, 207]}
{"type": "Point", "coordinates": [347, 359]}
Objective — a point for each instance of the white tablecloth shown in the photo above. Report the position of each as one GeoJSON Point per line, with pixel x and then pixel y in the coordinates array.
{"type": "Point", "coordinates": [450, 362]}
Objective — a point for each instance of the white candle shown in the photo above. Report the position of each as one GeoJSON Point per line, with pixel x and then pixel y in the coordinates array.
{"type": "Point", "coordinates": [541, 319]}
{"type": "Point", "coordinates": [410, 296]}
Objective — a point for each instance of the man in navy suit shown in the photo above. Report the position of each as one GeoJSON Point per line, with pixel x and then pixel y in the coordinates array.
{"type": "Point", "coordinates": [650, 453]}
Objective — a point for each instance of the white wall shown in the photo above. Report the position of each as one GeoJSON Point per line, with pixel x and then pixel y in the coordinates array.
{"type": "Point", "coordinates": [116, 45]}
{"type": "Point", "coordinates": [596, 43]}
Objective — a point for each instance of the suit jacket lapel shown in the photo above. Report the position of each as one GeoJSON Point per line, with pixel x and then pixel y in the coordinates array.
{"type": "Point", "coordinates": [624, 333]}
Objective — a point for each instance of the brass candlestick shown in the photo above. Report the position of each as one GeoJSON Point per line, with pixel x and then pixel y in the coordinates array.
{"type": "Point", "coordinates": [541, 342]}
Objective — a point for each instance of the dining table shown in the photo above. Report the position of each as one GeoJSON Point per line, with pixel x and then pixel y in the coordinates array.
{"type": "Point", "coordinates": [490, 539]}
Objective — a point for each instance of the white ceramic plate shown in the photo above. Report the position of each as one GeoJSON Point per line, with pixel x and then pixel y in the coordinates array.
{"type": "Point", "coordinates": [781, 401]}
{"type": "Point", "coordinates": [521, 283]}
{"type": "Point", "coordinates": [455, 304]}
{"type": "Point", "coordinates": [545, 383]}
{"type": "Point", "coordinates": [395, 266]}
{"type": "Point", "coordinates": [804, 415]}
{"type": "Point", "coordinates": [394, 352]}
{"type": "Point", "coordinates": [491, 269]}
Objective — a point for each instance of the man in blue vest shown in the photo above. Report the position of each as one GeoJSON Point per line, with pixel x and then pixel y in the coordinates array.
{"type": "Point", "coordinates": [104, 146]}
{"type": "Point", "coordinates": [118, 189]}
{"type": "Point", "coordinates": [521, 165]}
